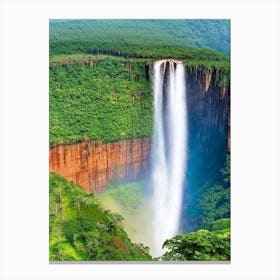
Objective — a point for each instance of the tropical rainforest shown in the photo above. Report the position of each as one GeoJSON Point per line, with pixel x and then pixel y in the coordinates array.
{"type": "Point", "coordinates": [101, 125]}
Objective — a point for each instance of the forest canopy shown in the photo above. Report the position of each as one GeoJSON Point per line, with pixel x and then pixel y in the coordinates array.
{"type": "Point", "coordinates": [142, 38]}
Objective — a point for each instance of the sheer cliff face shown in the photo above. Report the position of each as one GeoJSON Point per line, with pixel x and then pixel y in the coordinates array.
{"type": "Point", "coordinates": [209, 140]}
{"type": "Point", "coordinates": [209, 118]}
{"type": "Point", "coordinates": [92, 165]}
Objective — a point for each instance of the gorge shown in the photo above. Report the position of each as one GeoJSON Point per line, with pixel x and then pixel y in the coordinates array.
{"type": "Point", "coordinates": [139, 134]}
{"type": "Point", "coordinates": [95, 164]}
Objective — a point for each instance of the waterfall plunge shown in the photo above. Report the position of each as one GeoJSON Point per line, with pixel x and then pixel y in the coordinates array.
{"type": "Point", "coordinates": [169, 148]}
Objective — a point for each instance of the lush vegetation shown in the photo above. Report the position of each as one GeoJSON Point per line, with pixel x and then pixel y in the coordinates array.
{"type": "Point", "coordinates": [81, 229]}
{"type": "Point", "coordinates": [215, 200]}
{"type": "Point", "coordinates": [106, 98]}
{"type": "Point", "coordinates": [139, 38]}
{"type": "Point", "coordinates": [202, 245]}
{"type": "Point", "coordinates": [100, 90]}
{"type": "Point", "coordinates": [99, 84]}
{"type": "Point", "coordinates": [107, 101]}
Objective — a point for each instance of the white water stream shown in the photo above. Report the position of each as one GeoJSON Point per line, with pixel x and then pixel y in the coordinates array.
{"type": "Point", "coordinates": [169, 149]}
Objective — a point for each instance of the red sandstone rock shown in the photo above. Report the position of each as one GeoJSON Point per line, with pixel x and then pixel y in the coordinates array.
{"type": "Point", "coordinates": [93, 164]}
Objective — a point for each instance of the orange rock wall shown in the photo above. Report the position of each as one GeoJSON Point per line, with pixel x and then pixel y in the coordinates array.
{"type": "Point", "coordinates": [92, 164]}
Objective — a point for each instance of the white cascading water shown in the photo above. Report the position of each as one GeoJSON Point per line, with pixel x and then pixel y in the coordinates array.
{"type": "Point", "coordinates": [169, 149]}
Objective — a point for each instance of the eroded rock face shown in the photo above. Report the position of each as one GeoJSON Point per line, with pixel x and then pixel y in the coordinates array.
{"type": "Point", "coordinates": [209, 140]}
{"type": "Point", "coordinates": [92, 164]}
{"type": "Point", "coordinates": [209, 118]}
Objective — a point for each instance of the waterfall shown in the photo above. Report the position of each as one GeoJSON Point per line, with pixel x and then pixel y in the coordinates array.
{"type": "Point", "coordinates": [169, 149]}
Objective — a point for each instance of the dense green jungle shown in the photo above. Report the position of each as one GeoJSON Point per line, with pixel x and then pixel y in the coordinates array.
{"type": "Point", "coordinates": [100, 90]}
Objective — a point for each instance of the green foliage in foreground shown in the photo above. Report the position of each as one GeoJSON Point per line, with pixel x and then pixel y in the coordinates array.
{"type": "Point", "coordinates": [81, 229]}
{"type": "Point", "coordinates": [108, 101]}
{"type": "Point", "coordinates": [201, 245]}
